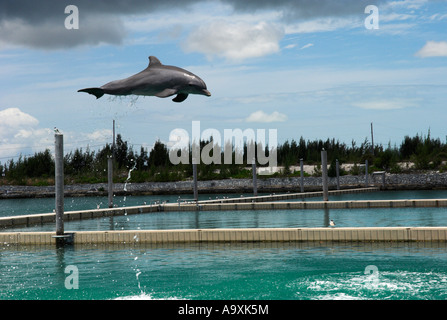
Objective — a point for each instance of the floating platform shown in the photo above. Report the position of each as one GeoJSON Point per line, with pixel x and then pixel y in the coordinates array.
{"type": "Point", "coordinates": [289, 196]}
{"type": "Point", "coordinates": [269, 202]}
{"type": "Point", "coordinates": [134, 237]}
{"type": "Point", "coordinates": [272, 202]}
{"type": "Point", "coordinates": [37, 219]}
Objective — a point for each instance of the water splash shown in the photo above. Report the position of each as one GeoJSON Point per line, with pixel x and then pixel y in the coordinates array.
{"type": "Point", "coordinates": [142, 296]}
{"type": "Point", "coordinates": [146, 296]}
{"type": "Point", "coordinates": [129, 174]}
{"type": "Point", "coordinates": [137, 271]}
{"type": "Point", "coordinates": [389, 285]}
{"type": "Point", "coordinates": [130, 101]}
{"type": "Point", "coordinates": [133, 101]}
{"type": "Point", "coordinates": [138, 280]}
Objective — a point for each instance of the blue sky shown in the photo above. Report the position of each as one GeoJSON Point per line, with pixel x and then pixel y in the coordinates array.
{"type": "Point", "coordinates": [305, 68]}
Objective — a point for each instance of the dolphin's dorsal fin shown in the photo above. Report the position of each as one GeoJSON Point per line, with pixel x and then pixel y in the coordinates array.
{"type": "Point", "coordinates": [153, 61]}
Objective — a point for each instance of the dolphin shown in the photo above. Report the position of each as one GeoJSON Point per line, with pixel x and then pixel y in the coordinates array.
{"type": "Point", "coordinates": [156, 80]}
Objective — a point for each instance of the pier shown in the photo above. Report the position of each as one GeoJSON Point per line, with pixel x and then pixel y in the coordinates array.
{"type": "Point", "coordinates": [269, 202]}
{"type": "Point", "coordinates": [134, 237]}
{"type": "Point", "coordinates": [266, 202]}
{"type": "Point", "coordinates": [241, 203]}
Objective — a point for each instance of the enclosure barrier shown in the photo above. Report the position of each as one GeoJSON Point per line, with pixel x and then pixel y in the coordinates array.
{"type": "Point", "coordinates": [289, 196]}
{"type": "Point", "coordinates": [134, 237]}
{"type": "Point", "coordinates": [36, 219]}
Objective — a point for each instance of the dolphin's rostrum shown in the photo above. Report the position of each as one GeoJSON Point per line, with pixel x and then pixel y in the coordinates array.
{"type": "Point", "coordinates": [156, 80]}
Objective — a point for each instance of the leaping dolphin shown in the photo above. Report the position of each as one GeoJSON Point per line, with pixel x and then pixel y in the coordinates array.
{"type": "Point", "coordinates": [156, 80]}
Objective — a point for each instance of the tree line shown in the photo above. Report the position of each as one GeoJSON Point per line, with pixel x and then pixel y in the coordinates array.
{"type": "Point", "coordinates": [87, 166]}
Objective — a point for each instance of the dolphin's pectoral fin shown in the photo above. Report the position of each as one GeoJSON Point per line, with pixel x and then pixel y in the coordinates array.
{"type": "Point", "coordinates": [170, 92]}
{"type": "Point", "coordinates": [180, 97]}
{"type": "Point", "coordinates": [166, 93]}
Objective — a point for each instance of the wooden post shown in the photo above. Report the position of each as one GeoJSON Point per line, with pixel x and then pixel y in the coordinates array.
{"type": "Point", "coordinates": [302, 174]}
{"type": "Point", "coordinates": [59, 183]}
{"type": "Point", "coordinates": [255, 182]}
{"type": "Point", "coordinates": [324, 174]}
{"type": "Point", "coordinates": [110, 180]}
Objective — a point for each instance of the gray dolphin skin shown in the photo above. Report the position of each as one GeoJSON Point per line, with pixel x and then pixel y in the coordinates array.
{"type": "Point", "coordinates": [156, 80]}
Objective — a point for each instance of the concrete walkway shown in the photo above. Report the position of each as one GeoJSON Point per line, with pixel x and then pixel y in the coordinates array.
{"type": "Point", "coordinates": [134, 237]}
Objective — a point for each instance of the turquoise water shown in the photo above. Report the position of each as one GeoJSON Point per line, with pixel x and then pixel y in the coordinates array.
{"type": "Point", "coordinates": [297, 271]}
{"type": "Point", "coordinates": [397, 217]}
{"type": "Point", "coordinates": [393, 217]}
{"type": "Point", "coordinates": [253, 271]}
{"type": "Point", "coordinates": [13, 207]}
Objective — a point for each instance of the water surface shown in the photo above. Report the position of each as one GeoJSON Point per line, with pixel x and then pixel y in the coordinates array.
{"type": "Point", "coordinates": [297, 271]}
{"type": "Point", "coordinates": [279, 271]}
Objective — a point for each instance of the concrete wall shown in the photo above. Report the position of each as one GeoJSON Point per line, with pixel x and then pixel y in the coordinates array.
{"type": "Point", "coordinates": [392, 181]}
{"type": "Point", "coordinates": [234, 235]}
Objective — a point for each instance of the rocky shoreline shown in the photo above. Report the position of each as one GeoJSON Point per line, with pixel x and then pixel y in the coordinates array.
{"type": "Point", "coordinates": [416, 181]}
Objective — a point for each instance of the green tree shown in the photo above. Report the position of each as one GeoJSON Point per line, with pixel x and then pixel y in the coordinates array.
{"type": "Point", "coordinates": [159, 156]}
{"type": "Point", "coordinates": [121, 150]}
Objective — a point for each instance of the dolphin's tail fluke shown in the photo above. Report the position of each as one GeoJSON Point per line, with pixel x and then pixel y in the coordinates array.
{"type": "Point", "coordinates": [97, 92]}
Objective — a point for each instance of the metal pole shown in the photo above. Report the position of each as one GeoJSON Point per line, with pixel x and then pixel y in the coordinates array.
{"type": "Point", "coordinates": [372, 139]}
{"type": "Point", "coordinates": [194, 173]}
{"type": "Point", "coordinates": [110, 170]}
{"type": "Point", "coordinates": [113, 140]}
{"type": "Point", "coordinates": [337, 169]}
{"type": "Point", "coordinates": [110, 180]}
{"type": "Point", "coordinates": [324, 174]}
{"type": "Point", "coordinates": [255, 182]}
{"type": "Point", "coordinates": [59, 183]}
{"type": "Point", "coordinates": [302, 174]}
{"type": "Point", "coordinates": [366, 173]}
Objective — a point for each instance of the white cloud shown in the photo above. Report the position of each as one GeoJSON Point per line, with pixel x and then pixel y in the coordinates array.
{"type": "Point", "coordinates": [20, 134]}
{"type": "Point", "coordinates": [408, 4]}
{"type": "Point", "coordinates": [12, 117]}
{"type": "Point", "coordinates": [235, 40]}
{"type": "Point", "coordinates": [433, 49]}
{"type": "Point", "coordinates": [438, 17]}
{"type": "Point", "coordinates": [261, 116]}
{"type": "Point", "coordinates": [100, 135]}
{"type": "Point", "coordinates": [396, 28]}
{"type": "Point", "coordinates": [395, 17]}
{"type": "Point", "coordinates": [384, 104]}
{"type": "Point", "coordinates": [307, 46]}
{"type": "Point", "coordinates": [323, 25]}
{"type": "Point", "coordinates": [290, 46]}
